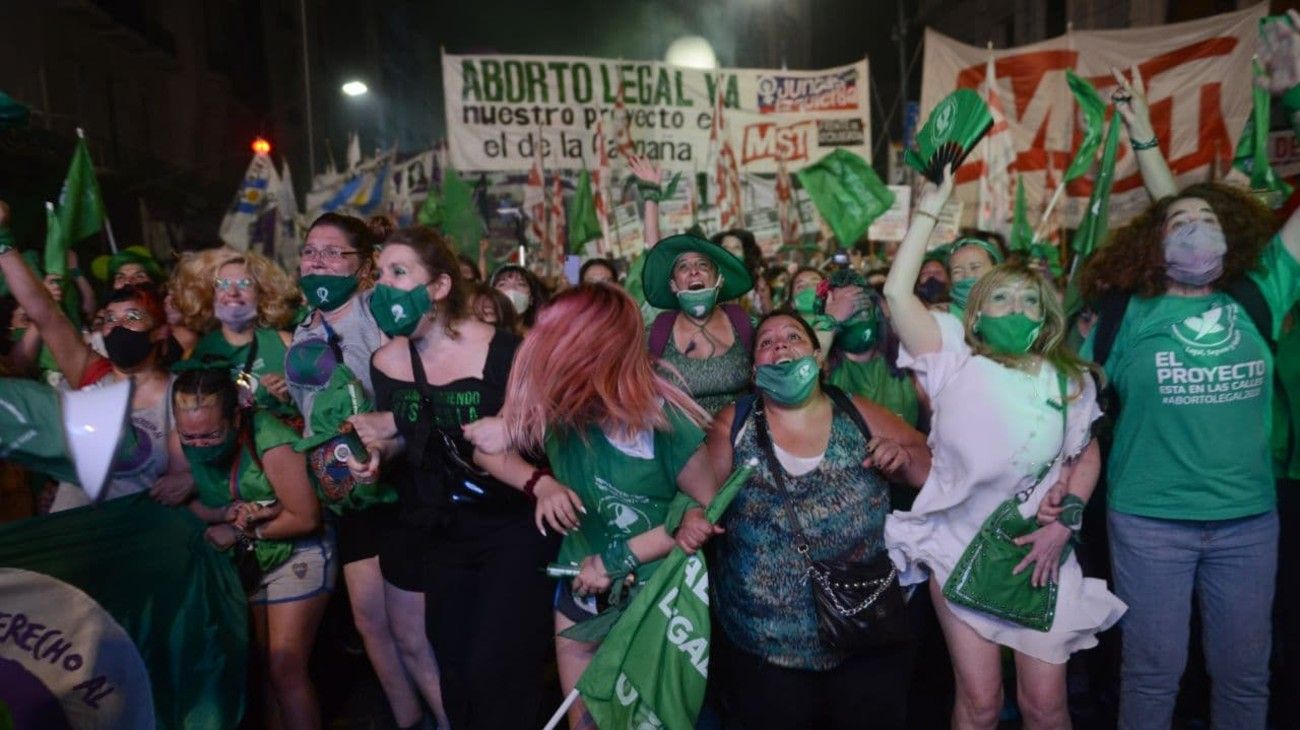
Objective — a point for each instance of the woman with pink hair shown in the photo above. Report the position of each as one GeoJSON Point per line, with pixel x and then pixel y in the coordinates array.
{"type": "Point", "coordinates": [621, 440]}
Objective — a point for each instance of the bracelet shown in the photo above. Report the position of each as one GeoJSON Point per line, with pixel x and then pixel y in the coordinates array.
{"type": "Point", "coordinates": [927, 214]}
{"type": "Point", "coordinates": [1072, 512]}
{"type": "Point", "coordinates": [619, 559]}
{"type": "Point", "coordinates": [651, 191]}
{"type": "Point", "coordinates": [530, 486]}
{"type": "Point", "coordinates": [74, 273]}
{"type": "Point", "coordinates": [6, 240]}
{"type": "Point", "coordinates": [1149, 144]}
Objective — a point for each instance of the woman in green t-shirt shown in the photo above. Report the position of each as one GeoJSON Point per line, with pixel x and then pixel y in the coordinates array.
{"type": "Point", "coordinates": [254, 494]}
{"type": "Point", "coordinates": [622, 441]}
{"type": "Point", "coordinates": [1189, 295]}
{"type": "Point", "coordinates": [244, 303]}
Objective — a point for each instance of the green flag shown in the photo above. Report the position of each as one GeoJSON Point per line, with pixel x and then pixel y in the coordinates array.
{"type": "Point", "coordinates": [1096, 219]}
{"type": "Point", "coordinates": [81, 207]}
{"type": "Point", "coordinates": [454, 214]}
{"type": "Point", "coordinates": [1252, 149]}
{"type": "Point", "coordinates": [1094, 119]}
{"type": "Point", "coordinates": [56, 252]}
{"type": "Point", "coordinates": [651, 669]}
{"type": "Point", "coordinates": [583, 224]}
{"type": "Point", "coordinates": [1022, 234]}
{"type": "Point", "coordinates": [847, 193]}
{"type": "Point", "coordinates": [119, 614]}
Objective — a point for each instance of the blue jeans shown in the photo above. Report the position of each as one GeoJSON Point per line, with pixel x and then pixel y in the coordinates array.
{"type": "Point", "coordinates": [1232, 565]}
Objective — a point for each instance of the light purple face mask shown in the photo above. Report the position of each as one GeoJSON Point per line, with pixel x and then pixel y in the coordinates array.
{"type": "Point", "coordinates": [1194, 254]}
{"type": "Point", "coordinates": [236, 316]}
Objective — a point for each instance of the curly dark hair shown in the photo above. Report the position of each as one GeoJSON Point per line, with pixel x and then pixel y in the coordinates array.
{"type": "Point", "coordinates": [1133, 260]}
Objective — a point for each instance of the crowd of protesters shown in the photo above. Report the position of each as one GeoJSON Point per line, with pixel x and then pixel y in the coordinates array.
{"type": "Point", "coordinates": [439, 436]}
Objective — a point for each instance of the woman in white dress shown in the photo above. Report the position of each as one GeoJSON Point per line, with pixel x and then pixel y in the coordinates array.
{"type": "Point", "coordinates": [996, 430]}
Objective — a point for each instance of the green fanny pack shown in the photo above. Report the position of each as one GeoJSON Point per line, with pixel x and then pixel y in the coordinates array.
{"type": "Point", "coordinates": [983, 580]}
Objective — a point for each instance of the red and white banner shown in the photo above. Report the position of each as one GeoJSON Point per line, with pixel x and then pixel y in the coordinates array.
{"type": "Point", "coordinates": [1198, 85]}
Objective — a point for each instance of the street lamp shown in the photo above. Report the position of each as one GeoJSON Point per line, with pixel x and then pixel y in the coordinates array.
{"type": "Point", "coordinates": [691, 51]}
{"type": "Point", "coordinates": [355, 88]}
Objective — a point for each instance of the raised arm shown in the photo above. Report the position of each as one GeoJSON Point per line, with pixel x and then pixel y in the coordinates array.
{"type": "Point", "coordinates": [1131, 104]}
{"type": "Point", "coordinates": [1281, 59]}
{"type": "Point", "coordinates": [63, 339]}
{"type": "Point", "coordinates": [908, 314]}
{"type": "Point", "coordinates": [648, 175]}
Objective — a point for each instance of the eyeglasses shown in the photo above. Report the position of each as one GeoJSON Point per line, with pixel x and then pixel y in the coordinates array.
{"type": "Point", "coordinates": [325, 254]}
{"type": "Point", "coordinates": [243, 284]}
{"type": "Point", "coordinates": [128, 318]}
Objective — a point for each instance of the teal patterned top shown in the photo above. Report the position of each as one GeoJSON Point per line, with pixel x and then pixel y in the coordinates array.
{"type": "Point", "coordinates": [714, 382]}
{"type": "Point", "coordinates": [764, 603]}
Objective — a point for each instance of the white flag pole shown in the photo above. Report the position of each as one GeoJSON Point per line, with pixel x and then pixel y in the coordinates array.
{"type": "Point", "coordinates": [564, 707]}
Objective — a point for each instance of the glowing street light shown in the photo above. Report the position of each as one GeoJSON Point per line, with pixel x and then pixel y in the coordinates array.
{"type": "Point", "coordinates": [261, 146]}
{"type": "Point", "coordinates": [691, 51]}
{"type": "Point", "coordinates": [355, 88]}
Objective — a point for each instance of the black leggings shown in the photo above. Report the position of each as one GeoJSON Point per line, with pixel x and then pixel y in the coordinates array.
{"type": "Point", "coordinates": [489, 609]}
{"type": "Point", "coordinates": [866, 691]}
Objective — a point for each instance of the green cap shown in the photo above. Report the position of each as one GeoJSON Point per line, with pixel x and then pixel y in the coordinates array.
{"type": "Point", "coordinates": [105, 267]}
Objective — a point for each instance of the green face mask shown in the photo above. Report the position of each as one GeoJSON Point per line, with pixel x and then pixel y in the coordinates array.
{"type": "Point", "coordinates": [858, 336]}
{"type": "Point", "coordinates": [804, 301]}
{"type": "Point", "coordinates": [398, 312]}
{"type": "Point", "coordinates": [960, 291]}
{"type": "Point", "coordinates": [698, 303]}
{"type": "Point", "coordinates": [1009, 334]}
{"type": "Point", "coordinates": [327, 291]}
{"type": "Point", "coordinates": [214, 454]}
{"type": "Point", "coordinates": [788, 383]}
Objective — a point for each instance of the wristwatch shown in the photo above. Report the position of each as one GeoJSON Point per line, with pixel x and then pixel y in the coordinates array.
{"type": "Point", "coordinates": [1072, 512]}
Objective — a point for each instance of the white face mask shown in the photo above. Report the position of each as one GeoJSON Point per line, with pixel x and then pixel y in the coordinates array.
{"type": "Point", "coordinates": [519, 300]}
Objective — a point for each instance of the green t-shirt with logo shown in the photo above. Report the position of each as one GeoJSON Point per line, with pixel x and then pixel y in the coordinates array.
{"type": "Point", "coordinates": [1286, 401]}
{"type": "Point", "coordinates": [1194, 377]}
{"type": "Point", "coordinates": [626, 489]}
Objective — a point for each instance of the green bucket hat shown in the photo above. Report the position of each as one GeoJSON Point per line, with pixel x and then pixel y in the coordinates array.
{"type": "Point", "coordinates": [656, 277]}
{"type": "Point", "coordinates": [105, 267]}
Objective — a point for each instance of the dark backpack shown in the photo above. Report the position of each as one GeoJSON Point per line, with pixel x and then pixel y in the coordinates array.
{"type": "Point", "coordinates": [662, 328]}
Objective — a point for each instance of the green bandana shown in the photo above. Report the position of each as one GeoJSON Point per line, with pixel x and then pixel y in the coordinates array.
{"type": "Point", "coordinates": [805, 301]}
{"type": "Point", "coordinates": [214, 454]}
{"type": "Point", "coordinates": [789, 383]}
{"type": "Point", "coordinates": [1009, 334]}
{"type": "Point", "coordinates": [698, 303]}
{"type": "Point", "coordinates": [857, 336]}
{"type": "Point", "coordinates": [398, 312]}
{"type": "Point", "coordinates": [960, 292]}
{"type": "Point", "coordinates": [326, 291]}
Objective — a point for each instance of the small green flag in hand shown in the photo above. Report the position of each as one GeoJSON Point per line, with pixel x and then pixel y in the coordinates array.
{"type": "Point", "coordinates": [651, 670]}
{"type": "Point", "coordinates": [847, 193]}
{"type": "Point", "coordinates": [56, 252]}
{"type": "Point", "coordinates": [1022, 235]}
{"type": "Point", "coordinates": [81, 206]}
{"type": "Point", "coordinates": [583, 224]}
{"type": "Point", "coordinates": [1096, 219]}
{"type": "Point", "coordinates": [454, 214]}
{"type": "Point", "coordinates": [1252, 149]}
{"type": "Point", "coordinates": [1094, 119]}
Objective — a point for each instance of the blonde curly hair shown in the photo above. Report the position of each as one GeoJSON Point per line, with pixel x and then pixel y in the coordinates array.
{"type": "Point", "coordinates": [193, 280]}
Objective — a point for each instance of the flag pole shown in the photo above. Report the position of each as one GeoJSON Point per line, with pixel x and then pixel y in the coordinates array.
{"type": "Point", "coordinates": [564, 707]}
{"type": "Point", "coordinates": [1047, 212]}
{"type": "Point", "coordinates": [108, 225]}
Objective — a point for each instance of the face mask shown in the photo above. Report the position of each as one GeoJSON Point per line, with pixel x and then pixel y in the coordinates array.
{"type": "Point", "coordinates": [857, 337]}
{"type": "Point", "coordinates": [931, 291]}
{"type": "Point", "coordinates": [1194, 254]}
{"type": "Point", "coordinates": [1009, 334]}
{"type": "Point", "coordinates": [789, 383]}
{"type": "Point", "coordinates": [326, 291]}
{"type": "Point", "coordinates": [236, 316]}
{"type": "Point", "coordinates": [398, 312]}
{"type": "Point", "coordinates": [698, 303]}
{"type": "Point", "coordinates": [127, 347]}
{"type": "Point", "coordinates": [519, 300]}
{"type": "Point", "coordinates": [214, 454]}
{"type": "Point", "coordinates": [804, 301]}
{"type": "Point", "coordinates": [960, 291]}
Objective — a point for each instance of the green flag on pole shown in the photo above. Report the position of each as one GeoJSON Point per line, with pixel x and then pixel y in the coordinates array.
{"type": "Point", "coordinates": [651, 669]}
{"type": "Point", "coordinates": [56, 251]}
{"type": "Point", "coordinates": [454, 214]}
{"type": "Point", "coordinates": [1096, 219]}
{"type": "Point", "coordinates": [1022, 234]}
{"type": "Point", "coordinates": [583, 224]}
{"type": "Point", "coordinates": [81, 207]}
{"type": "Point", "coordinates": [1093, 110]}
{"type": "Point", "coordinates": [847, 193]}
{"type": "Point", "coordinates": [1252, 149]}
{"type": "Point", "coordinates": [119, 614]}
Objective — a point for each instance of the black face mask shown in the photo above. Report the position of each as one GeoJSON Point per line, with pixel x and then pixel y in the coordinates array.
{"type": "Point", "coordinates": [127, 347]}
{"type": "Point", "coordinates": [932, 290]}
